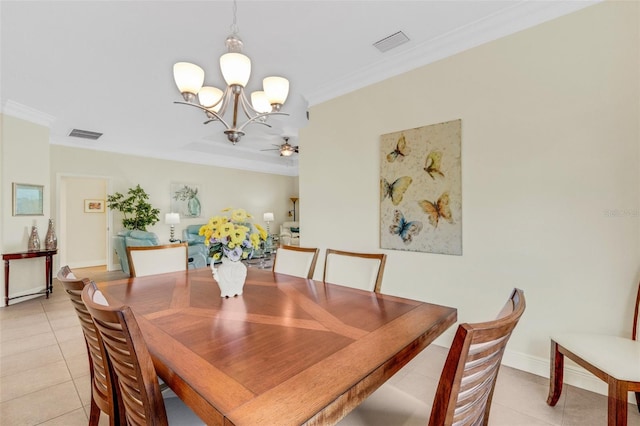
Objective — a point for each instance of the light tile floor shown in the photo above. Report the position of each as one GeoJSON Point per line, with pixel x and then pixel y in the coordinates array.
{"type": "Point", "coordinates": [44, 376]}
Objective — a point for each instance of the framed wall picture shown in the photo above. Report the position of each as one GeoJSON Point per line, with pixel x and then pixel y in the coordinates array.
{"type": "Point", "coordinates": [28, 199]}
{"type": "Point", "coordinates": [94, 206]}
{"type": "Point", "coordinates": [421, 189]}
{"type": "Point", "coordinates": [185, 199]}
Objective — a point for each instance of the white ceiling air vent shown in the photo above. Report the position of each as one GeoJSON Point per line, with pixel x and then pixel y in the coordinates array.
{"type": "Point", "coordinates": [391, 42]}
{"type": "Point", "coordinates": [84, 134]}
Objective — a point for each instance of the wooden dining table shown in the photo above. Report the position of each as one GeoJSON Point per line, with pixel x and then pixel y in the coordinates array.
{"type": "Point", "coordinates": [288, 351]}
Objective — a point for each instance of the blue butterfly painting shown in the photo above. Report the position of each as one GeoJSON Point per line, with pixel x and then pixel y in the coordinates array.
{"type": "Point", "coordinates": [404, 229]}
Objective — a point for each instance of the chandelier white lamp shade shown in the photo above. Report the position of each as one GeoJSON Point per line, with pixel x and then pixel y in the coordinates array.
{"type": "Point", "coordinates": [277, 90]}
{"type": "Point", "coordinates": [209, 97]}
{"type": "Point", "coordinates": [236, 70]}
{"type": "Point", "coordinates": [189, 78]}
{"type": "Point", "coordinates": [260, 101]}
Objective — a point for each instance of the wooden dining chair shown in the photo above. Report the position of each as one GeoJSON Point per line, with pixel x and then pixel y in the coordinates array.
{"type": "Point", "coordinates": [103, 391]}
{"type": "Point", "coordinates": [359, 270]}
{"type": "Point", "coordinates": [613, 359]}
{"type": "Point", "coordinates": [150, 260]}
{"type": "Point", "coordinates": [468, 378]}
{"type": "Point", "coordinates": [132, 365]}
{"type": "Point", "coordinates": [296, 261]}
{"type": "Point", "coordinates": [465, 390]}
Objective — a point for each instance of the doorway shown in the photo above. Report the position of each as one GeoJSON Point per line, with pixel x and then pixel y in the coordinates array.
{"type": "Point", "coordinates": [83, 228]}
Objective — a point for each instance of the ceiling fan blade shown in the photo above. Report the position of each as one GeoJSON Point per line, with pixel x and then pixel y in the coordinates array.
{"type": "Point", "coordinates": [277, 148]}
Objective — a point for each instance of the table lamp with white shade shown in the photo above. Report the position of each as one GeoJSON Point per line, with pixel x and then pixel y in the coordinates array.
{"type": "Point", "coordinates": [268, 218]}
{"type": "Point", "coordinates": [172, 219]}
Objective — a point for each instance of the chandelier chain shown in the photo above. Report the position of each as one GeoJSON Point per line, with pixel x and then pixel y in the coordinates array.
{"type": "Point", "coordinates": [234, 26]}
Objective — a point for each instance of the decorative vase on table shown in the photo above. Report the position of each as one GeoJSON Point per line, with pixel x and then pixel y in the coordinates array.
{"type": "Point", "coordinates": [50, 240]}
{"type": "Point", "coordinates": [34, 239]}
{"type": "Point", "coordinates": [231, 239]}
{"type": "Point", "coordinates": [230, 276]}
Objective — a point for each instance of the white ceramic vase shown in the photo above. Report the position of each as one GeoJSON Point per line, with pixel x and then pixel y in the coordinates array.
{"type": "Point", "coordinates": [230, 277]}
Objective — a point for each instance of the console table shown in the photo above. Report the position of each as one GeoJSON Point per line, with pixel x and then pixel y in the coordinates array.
{"type": "Point", "coordinates": [47, 254]}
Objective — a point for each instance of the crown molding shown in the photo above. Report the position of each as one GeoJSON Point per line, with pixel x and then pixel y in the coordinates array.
{"type": "Point", "coordinates": [520, 16]}
{"type": "Point", "coordinates": [24, 112]}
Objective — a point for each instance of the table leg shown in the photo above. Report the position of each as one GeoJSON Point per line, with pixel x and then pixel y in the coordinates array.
{"type": "Point", "coordinates": [48, 278]}
{"type": "Point", "coordinates": [6, 283]}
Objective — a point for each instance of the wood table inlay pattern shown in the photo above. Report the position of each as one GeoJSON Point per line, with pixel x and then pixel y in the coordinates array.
{"type": "Point", "coordinates": [289, 351]}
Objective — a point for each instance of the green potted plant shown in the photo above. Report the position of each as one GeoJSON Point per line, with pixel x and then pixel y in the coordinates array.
{"type": "Point", "coordinates": [135, 208]}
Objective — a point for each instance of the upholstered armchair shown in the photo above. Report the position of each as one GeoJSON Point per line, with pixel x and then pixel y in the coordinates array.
{"type": "Point", "coordinates": [290, 233]}
{"type": "Point", "coordinates": [195, 241]}
{"type": "Point", "coordinates": [143, 238]}
{"type": "Point", "coordinates": [132, 238]}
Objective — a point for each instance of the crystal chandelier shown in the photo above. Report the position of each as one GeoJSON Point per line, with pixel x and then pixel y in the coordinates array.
{"type": "Point", "coordinates": [236, 69]}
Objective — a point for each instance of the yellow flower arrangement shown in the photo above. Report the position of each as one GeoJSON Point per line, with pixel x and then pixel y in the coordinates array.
{"type": "Point", "coordinates": [232, 235]}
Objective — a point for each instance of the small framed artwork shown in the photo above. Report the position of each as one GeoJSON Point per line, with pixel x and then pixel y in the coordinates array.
{"type": "Point", "coordinates": [27, 199]}
{"type": "Point", "coordinates": [94, 206]}
{"type": "Point", "coordinates": [185, 199]}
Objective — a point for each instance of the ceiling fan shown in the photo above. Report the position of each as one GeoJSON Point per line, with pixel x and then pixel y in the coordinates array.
{"type": "Point", "coordinates": [286, 149]}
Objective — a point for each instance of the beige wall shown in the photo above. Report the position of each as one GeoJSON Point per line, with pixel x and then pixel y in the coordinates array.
{"type": "Point", "coordinates": [221, 187]}
{"type": "Point", "coordinates": [550, 144]}
{"type": "Point", "coordinates": [25, 159]}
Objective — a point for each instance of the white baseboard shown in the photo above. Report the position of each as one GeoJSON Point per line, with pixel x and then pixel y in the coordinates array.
{"type": "Point", "coordinates": [573, 374]}
{"type": "Point", "coordinates": [88, 263]}
{"type": "Point", "coordinates": [115, 267]}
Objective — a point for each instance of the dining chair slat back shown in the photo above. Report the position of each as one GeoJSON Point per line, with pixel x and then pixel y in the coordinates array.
{"type": "Point", "coordinates": [296, 261]}
{"type": "Point", "coordinates": [131, 363]}
{"type": "Point", "coordinates": [150, 260]}
{"type": "Point", "coordinates": [466, 386]}
{"type": "Point", "coordinates": [360, 270]}
{"type": "Point", "coordinates": [103, 389]}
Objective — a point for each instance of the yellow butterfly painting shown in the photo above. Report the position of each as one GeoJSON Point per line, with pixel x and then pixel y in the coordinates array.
{"type": "Point", "coordinates": [395, 190]}
{"type": "Point", "coordinates": [437, 210]}
{"type": "Point", "coordinates": [401, 150]}
{"type": "Point", "coordinates": [433, 163]}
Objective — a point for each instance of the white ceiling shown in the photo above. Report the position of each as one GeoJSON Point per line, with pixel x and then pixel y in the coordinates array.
{"type": "Point", "coordinates": [106, 66]}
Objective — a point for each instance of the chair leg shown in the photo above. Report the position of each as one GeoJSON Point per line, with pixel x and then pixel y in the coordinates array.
{"type": "Point", "coordinates": [94, 414]}
{"type": "Point", "coordinates": [556, 376]}
{"type": "Point", "coordinates": [617, 411]}
{"type": "Point", "coordinates": [638, 400]}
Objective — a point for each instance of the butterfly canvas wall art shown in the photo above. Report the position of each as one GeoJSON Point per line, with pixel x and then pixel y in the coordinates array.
{"type": "Point", "coordinates": [403, 228]}
{"type": "Point", "coordinates": [400, 151]}
{"type": "Point", "coordinates": [395, 191]}
{"type": "Point", "coordinates": [421, 189]}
